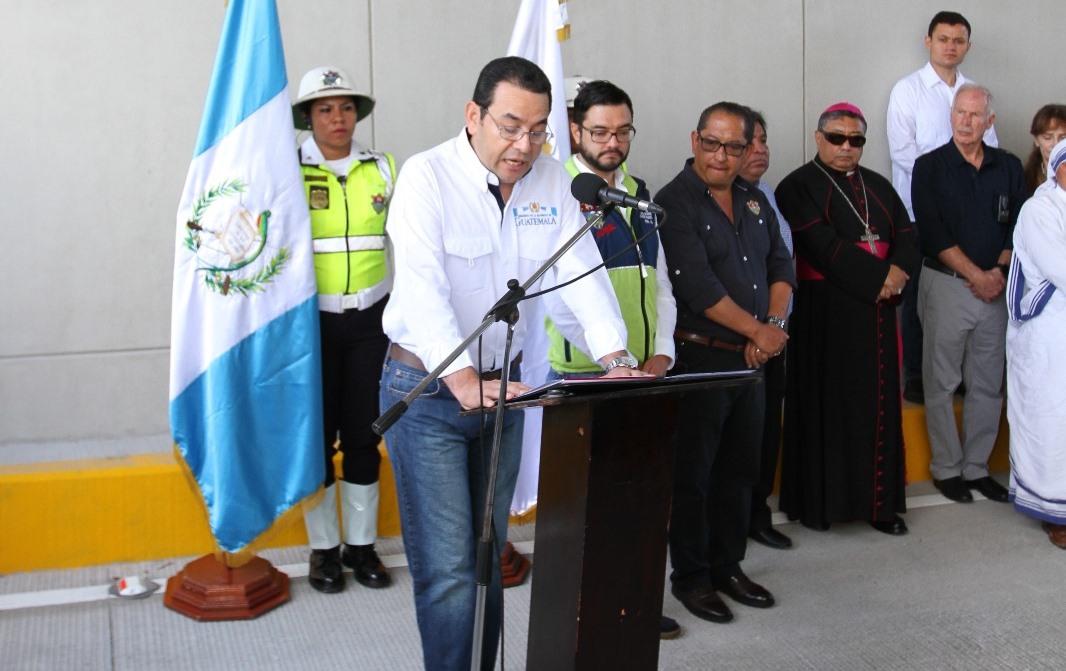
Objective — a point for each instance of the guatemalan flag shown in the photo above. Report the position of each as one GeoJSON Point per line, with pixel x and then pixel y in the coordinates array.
{"type": "Point", "coordinates": [245, 390]}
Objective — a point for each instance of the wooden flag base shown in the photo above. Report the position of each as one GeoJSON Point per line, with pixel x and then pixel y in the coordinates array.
{"type": "Point", "coordinates": [208, 590]}
{"type": "Point", "coordinates": [513, 565]}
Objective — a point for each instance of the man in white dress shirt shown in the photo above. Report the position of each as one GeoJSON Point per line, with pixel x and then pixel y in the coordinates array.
{"type": "Point", "coordinates": [919, 110]}
{"type": "Point", "coordinates": [467, 216]}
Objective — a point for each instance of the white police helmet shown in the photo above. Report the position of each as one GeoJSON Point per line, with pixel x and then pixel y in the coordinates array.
{"type": "Point", "coordinates": [325, 82]}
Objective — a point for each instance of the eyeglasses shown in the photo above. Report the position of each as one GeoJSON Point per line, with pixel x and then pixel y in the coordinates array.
{"type": "Point", "coordinates": [514, 133]}
{"type": "Point", "coordinates": [837, 139]}
{"type": "Point", "coordinates": [711, 146]}
{"type": "Point", "coordinates": [602, 135]}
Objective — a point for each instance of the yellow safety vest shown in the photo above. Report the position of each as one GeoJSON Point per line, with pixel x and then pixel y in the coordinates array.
{"type": "Point", "coordinates": [348, 223]}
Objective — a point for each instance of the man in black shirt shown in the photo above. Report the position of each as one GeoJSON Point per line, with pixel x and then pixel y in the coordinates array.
{"type": "Point", "coordinates": [966, 197]}
{"type": "Point", "coordinates": [732, 278]}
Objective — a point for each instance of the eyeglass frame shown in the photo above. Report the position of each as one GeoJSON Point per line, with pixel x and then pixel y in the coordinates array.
{"type": "Point", "coordinates": [592, 134]}
{"type": "Point", "coordinates": [722, 145]}
{"type": "Point", "coordinates": [521, 133]}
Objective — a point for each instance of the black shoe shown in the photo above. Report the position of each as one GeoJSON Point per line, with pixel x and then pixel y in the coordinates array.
{"type": "Point", "coordinates": [325, 573]}
{"type": "Point", "coordinates": [704, 603]}
{"type": "Point", "coordinates": [914, 391]}
{"type": "Point", "coordinates": [815, 526]}
{"type": "Point", "coordinates": [771, 538]}
{"type": "Point", "coordinates": [954, 489]}
{"type": "Point", "coordinates": [991, 489]}
{"type": "Point", "coordinates": [669, 629]}
{"type": "Point", "coordinates": [367, 568]}
{"type": "Point", "coordinates": [893, 527]}
{"type": "Point", "coordinates": [741, 589]}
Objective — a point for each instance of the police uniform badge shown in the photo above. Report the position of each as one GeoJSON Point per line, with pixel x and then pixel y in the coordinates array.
{"type": "Point", "coordinates": [318, 198]}
{"type": "Point", "coordinates": [378, 203]}
{"type": "Point", "coordinates": [753, 205]}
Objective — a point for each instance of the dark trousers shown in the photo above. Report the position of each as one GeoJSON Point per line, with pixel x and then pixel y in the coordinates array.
{"type": "Point", "coordinates": [910, 328]}
{"type": "Point", "coordinates": [353, 350]}
{"type": "Point", "coordinates": [717, 463]}
{"type": "Point", "coordinates": [774, 381]}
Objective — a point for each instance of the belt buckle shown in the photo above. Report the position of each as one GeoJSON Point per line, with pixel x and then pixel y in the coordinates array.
{"type": "Point", "coordinates": [350, 302]}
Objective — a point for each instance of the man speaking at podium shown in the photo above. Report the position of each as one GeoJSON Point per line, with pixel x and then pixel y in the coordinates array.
{"type": "Point", "coordinates": [467, 216]}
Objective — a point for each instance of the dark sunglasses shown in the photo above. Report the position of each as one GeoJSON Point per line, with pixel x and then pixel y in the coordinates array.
{"type": "Point", "coordinates": [837, 139]}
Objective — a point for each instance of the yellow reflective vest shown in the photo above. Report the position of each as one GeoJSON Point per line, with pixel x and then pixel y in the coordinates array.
{"type": "Point", "coordinates": [348, 220]}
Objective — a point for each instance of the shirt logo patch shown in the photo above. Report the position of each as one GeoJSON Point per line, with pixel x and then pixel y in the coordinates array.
{"type": "Point", "coordinates": [535, 214]}
{"type": "Point", "coordinates": [753, 205]}
{"type": "Point", "coordinates": [591, 211]}
{"type": "Point", "coordinates": [604, 230]}
{"type": "Point", "coordinates": [378, 203]}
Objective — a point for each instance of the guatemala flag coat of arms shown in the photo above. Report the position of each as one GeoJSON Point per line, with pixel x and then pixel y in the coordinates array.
{"type": "Point", "coordinates": [245, 376]}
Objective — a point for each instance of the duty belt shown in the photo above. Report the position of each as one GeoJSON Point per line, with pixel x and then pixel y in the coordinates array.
{"type": "Point", "coordinates": [360, 300]}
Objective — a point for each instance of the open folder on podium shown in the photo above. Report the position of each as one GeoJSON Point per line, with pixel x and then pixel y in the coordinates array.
{"type": "Point", "coordinates": [606, 467]}
{"type": "Point", "coordinates": [554, 391]}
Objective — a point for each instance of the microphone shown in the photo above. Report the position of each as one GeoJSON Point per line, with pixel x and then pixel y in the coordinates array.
{"type": "Point", "coordinates": [593, 190]}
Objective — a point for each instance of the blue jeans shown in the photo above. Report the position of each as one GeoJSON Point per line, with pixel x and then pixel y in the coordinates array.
{"type": "Point", "coordinates": [441, 466]}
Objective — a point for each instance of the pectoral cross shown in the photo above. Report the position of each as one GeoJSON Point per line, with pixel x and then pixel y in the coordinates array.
{"type": "Point", "coordinates": [870, 238]}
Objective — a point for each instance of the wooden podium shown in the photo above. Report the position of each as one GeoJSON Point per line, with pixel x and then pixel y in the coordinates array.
{"type": "Point", "coordinates": [603, 505]}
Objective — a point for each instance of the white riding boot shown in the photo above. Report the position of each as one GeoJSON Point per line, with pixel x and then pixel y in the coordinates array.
{"type": "Point", "coordinates": [359, 509]}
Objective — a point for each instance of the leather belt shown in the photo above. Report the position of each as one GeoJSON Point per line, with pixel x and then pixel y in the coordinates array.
{"type": "Point", "coordinates": [933, 264]}
{"type": "Point", "coordinates": [407, 358]}
{"type": "Point", "coordinates": [708, 342]}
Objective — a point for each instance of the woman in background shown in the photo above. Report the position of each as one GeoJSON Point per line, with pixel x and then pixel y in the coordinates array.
{"type": "Point", "coordinates": [348, 188]}
{"type": "Point", "coordinates": [1048, 128]}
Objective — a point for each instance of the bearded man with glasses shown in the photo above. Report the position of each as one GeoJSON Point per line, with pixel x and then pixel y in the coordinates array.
{"type": "Point", "coordinates": [601, 132]}
{"type": "Point", "coordinates": [855, 252]}
{"type": "Point", "coordinates": [732, 277]}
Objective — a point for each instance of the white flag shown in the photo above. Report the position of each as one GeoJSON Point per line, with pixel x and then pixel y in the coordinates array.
{"type": "Point", "coordinates": [536, 38]}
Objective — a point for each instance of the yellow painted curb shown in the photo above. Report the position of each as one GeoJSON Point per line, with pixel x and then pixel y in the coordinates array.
{"type": "Point", "coordinates": [80, 513]}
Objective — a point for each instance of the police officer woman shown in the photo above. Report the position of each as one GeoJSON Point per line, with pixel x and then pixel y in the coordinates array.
{"type": "Point", "coordinates": [348, 189]}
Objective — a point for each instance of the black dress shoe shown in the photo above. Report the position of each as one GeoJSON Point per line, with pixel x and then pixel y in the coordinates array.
{"type": "Point", "coordinates": [991, 489]}
{"type": "Point", "coordinates": [914, 391]}
{"type": "Point", "coordinates": [669, 629]}
{"type": "Point", "coordinates": [954, 489]}
{"type": "Point", "coordinates": [367, 568]}
{"type": "Point", "coordinates": [741, 589]}
{"type": "Point", "coordinates": [771, 538]}
{"type": "Point", "coordinates": [893, 527]}
{"type": "Point", "coordinates": [325, 573]}
{"type": "Point", "coordinates": [704, 603]}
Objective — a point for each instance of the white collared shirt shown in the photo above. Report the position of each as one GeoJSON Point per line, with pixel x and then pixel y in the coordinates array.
{"type": "Point", "coordinates": [455, 251]}
{"type": "Point", "coordinates": [919, 121]}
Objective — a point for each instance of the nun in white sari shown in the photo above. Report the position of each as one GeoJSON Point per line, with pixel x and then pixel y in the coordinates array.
{"type": "Point", "coordinates": [1036, 354]}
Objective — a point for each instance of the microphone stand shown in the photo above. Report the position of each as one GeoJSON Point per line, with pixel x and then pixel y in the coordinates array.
{"type": "Point", "coordinates": [505, 310]}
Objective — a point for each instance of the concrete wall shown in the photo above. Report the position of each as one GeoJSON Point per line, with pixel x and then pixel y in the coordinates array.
{"type": "Point", "coordinates": [101, 106]}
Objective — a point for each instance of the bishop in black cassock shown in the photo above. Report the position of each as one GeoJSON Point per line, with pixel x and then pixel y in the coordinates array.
{"type": "Point", "coordinates": [843, 455]}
